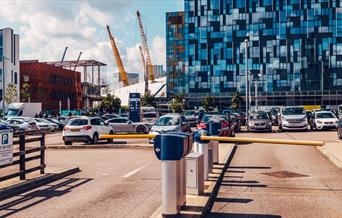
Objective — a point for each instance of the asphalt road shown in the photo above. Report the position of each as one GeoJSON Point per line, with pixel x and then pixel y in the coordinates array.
{"type": "Point", "coordinates": [113, 183]}
{"type": "Point", "coordinates": [281, 180]}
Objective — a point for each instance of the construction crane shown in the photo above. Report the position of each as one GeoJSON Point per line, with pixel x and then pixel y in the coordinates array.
{"type": "Point", "coordinates": [66, 48]}
{"type": "Point", "coordinates": [144, 43]}
{"type": "Point", "coordinates": [122, 72]}
{"type": "Point", "coordinates": [145, 69]}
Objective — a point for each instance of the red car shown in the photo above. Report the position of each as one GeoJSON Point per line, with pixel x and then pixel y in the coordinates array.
{"type": "Point", "coordinates": [226, 125]}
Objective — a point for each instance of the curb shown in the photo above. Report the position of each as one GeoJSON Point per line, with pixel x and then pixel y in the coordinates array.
{"type": "Point", "coordinates": [98, 146]}
{"type": "Point", "coordinates": [330, 156]}
{"type": "Point", "coordinates": [35, 183]}
{"type": "Point", "coordinates": [216, 188]}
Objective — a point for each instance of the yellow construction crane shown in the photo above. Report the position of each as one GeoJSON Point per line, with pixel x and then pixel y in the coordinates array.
{"type": "Point", "coordinates": [144, 43]}
{"type": "Point", "coordinates": [122, 72]}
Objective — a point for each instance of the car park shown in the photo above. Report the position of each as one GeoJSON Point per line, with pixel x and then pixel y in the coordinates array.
{"type": "Point", "coordinates": [25, 125]}
{"type": "Point", "coordinates": [170, 123]}
{"type": "Point", "coordinates": [259, 121]}
{"type": "Point", "coordinates": [85, 129]}
{"type": "Point", "coordinates": [292, 118]}
{"type": "Point", "coordinates": [46, 125]}
{"type": "Point", "coordinates": [149, 117]}
{"type": "Point", "coordinates": [323, 120]}
{"type": "Point", "coordinates": [191, 116]}
{"type": "Point", "coordinates": [125, 125]}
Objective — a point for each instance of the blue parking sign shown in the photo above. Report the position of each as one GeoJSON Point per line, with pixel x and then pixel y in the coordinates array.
{"type": "Point", "coordinates": [4, 139]}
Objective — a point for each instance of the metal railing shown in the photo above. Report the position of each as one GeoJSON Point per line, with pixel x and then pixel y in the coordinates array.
{"type": "Point", "coordinates": [21, 159]}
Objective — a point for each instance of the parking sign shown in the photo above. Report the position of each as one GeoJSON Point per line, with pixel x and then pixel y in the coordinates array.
{"type": "Point", "coordinates": [6, 147]}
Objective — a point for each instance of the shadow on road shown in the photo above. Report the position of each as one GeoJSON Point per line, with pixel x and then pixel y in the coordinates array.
{"type": "Point", "coordinates": [238, 215]}
{"type": "Point", "coordinates": [21, 202]}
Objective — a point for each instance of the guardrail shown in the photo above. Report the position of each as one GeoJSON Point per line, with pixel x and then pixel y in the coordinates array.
{"type": "Point", "coordinates": [22, 159]}
{"type": "Point", "coordinates": [225, 139]}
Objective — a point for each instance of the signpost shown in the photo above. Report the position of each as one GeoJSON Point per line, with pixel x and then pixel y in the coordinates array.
{"type": "Point", "coordinates": [134, 107]}
{"type": "Point", "coordinates": [6, 146]}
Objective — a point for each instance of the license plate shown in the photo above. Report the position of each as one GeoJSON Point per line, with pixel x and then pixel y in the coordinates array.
{"type": "Point", "coordinates": [75, 130]}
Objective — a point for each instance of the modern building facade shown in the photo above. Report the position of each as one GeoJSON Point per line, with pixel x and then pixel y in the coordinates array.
{"type": "Point", "coordinates": [9, 60]}
{"type": "Point", "coordinates": [294, 50]}
{"type": "Point", "coordinates": [159, 71]}
{"type": "Point", "coordinates": [51, 85]}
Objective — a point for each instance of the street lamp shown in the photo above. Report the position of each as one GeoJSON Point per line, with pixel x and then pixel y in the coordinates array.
{"type": "Point", "coordinates": [322, 80]}
{"type": "Point", "coordinates": [3, 85]}
{"type": "Point", "coordinates": [247, 84]}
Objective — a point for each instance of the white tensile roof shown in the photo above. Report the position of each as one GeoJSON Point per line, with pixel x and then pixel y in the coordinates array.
{"type": "Point", "coordinates": [123, 93]}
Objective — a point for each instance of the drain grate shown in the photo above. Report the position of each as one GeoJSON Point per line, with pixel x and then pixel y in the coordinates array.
{"type": "Point", "coordinates": [285, 174]}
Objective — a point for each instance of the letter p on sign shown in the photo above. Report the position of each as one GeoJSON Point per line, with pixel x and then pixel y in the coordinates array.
{"type": "Point", "coordinates": [4, 139]}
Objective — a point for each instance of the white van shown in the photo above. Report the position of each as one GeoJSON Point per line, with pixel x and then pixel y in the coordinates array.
{"type": "Point", "coordinates": [292, 118]}
{"type": "Point", "coordinates": [150, 117]}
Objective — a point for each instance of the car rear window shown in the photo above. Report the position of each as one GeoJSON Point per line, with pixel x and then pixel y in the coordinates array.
{"type": "Point", "coordinates": [78, 122]}
{"type": "Point", "coordinates": [150, 115]}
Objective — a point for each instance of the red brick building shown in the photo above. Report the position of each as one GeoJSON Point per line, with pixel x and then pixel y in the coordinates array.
{"type": "Point", "coordinates": [51, 84]}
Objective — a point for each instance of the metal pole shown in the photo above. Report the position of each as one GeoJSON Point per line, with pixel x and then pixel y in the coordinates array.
{"type": "Point", "coordinates": [246, 47]}
{"type": "Point", "coordinates": [3, 87]}
{"type": "Point", "coordinates": [256, 94]}
{"type": "Point", "coordinates": [322, 82]}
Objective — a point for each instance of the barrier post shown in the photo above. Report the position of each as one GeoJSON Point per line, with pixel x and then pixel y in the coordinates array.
{"type": "Point", "coordinates": [22, 167]}
{"type": "Point", "coordinates": [203, 148]}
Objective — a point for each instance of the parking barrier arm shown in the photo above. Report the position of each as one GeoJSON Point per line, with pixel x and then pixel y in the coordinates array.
{"type": "Point", "coordinates": [261, 140]}
{"type": "Point", "coordinates": [128, 136]}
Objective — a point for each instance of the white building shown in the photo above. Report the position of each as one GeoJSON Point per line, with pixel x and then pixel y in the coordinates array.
{"type": "Point", "coordinates": [9, 59]}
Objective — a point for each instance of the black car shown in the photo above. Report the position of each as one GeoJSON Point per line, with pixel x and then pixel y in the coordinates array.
{"type": "Point", "coordinates": [55, 121]}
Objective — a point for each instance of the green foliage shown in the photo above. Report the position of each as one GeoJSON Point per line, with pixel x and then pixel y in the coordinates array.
{"type": "Point", "coordinates": [11, 94]}
{"type": "Point", "coordinates": [110, 104]}
{"type": "Point", "coordinates": [178, 104]}
{"type": "Point", "coordinates": [25, 92]}
{"type": "Point", "coordinates": [236, 100]}
{"type": "Point", "coordinates": [148, 100]}
{"type": "Point", "coordinates": [209, 104]}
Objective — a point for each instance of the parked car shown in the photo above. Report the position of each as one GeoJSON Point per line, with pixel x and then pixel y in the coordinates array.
{"type": "Point", "coordinates": [274, 115]}
{"type": "Point", "coordinates": [55, 121]}
{"type": "Point", "coordinates": [110, 116]}
{"type": "Point", "coordinates": [170, 123]}
{"type": "Point", "coordinates": [25, 125]}
{"type": "Point", "coordinates": [42, 123]}
{"type": "Point", "coordinates": [85, 129]}
{"type": "Point", "coordinates": [63, 119]}
{"type": "Point", "coordinates": [323, 120]}
{"type": "Point", "coordinates": [227, 125]}
{"type": "Point", "coordinates": [191, 116]}
{"type": "Point", "coordinates": [292, 118]}
{"type": "Point", "coordinates": [259, 121]}
{"type": "Point", "coordinates": [339, 129]}
{"type": "Point", "coordinates": [150, 117]}
{"type": "Point", "coordinates": [121, 124]}
{"type": "Point", "coordinates": [124, 115]}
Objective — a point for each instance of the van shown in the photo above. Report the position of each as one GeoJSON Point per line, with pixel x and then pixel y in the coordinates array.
{"type": "Point", "coordinates": [292, 118]}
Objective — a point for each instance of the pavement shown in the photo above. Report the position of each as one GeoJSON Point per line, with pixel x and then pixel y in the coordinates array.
{"type": "Point", "coordinates": [265, 180]}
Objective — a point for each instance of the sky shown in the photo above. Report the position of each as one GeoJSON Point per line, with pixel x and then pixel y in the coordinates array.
{"type": "Point", "coordinates": [46, 27]}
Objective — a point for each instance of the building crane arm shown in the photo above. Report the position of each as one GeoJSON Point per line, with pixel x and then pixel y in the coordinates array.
{"type": "Point", "coordinates": [144, 43]}
{"type": "Point", "coordinates": [122, 72]}
{"type": "Point", "coordinates": [145, 69]}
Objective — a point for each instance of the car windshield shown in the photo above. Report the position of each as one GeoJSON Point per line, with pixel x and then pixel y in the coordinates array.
{"type": "Point", "coordinates": [258, 116]}
{"type": "Point", "coordinates": [77, 122]}
{"type": "Point", "coordinates": [325, 115]}
{"type": "Point", "coordinates": [209, 118]}
{"type": "Point", "coordinates": [293, 111]}
{"type": "Point", "coordinates": [206, 119]}
{"type": "Point", "coordinates": [189, 113]}
{"type": "Point", "coordinates": [168, 121]}
{"type": "Point", "coordinates": [12, 112]}
{"type": "Point", "coordinates": [149, 115]}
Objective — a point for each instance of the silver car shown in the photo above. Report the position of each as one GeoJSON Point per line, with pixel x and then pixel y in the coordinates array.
{"type": "Point", "coordinates": [259, 121]}
{"type": "Point", "coordinates": [171, 123]}
{"type": "Point", "coordinates": [121, 124]}
{"type": "Point", "coordinates": [27, 126]}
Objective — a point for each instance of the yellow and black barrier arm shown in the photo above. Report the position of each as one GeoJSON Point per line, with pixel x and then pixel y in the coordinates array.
{"type": "Point", "coordinates": [222, 139]}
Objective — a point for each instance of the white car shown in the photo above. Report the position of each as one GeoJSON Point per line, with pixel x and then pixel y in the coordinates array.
{"type": "Point", "coordinates": [85, 129]}
{"type": "Point", "coordinates": [121, 124]}
{"type": "Point", "coordinates": [28, 127]}
{"type": "Point", "coordinates": [150, 117]}
{"type": "Point", "coordinates": [292, 118]}
{"type": "Point", "coordinates": [41, 125]}
{"type": "Point", "coordinates": [52, 126]}
{"type": "Point", "coordinates": [323, 120]}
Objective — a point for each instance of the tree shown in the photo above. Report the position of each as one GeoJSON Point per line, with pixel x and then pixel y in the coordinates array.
{"type": "Point", "coordinates": [236, 99]}
{"type": "Point", "coordinates": [148, 100]}
{"type": "Point", "coordinates": [209, 104]}
{"type": "Point", "coordinates": [11, 94]}
{"type": "Point", "coordinates": [178, 103]}
{"type": "Point", "coordinates": [25, 92]}
{"type": "Point", "coordinates": [110, 104]}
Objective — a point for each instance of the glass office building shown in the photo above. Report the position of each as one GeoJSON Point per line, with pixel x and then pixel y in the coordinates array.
{"type": "Point", "coordinates": [294, 50]}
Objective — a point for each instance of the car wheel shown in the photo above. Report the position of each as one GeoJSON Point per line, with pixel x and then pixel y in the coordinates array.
{"type": "Point", "coordinates": [95, 139]}
{"type": "Point", "coordinates": [110, 140]}
{"type": "Point", "coordinates": [140, 129]}
{"type": "Point", "coordinates": [67, 143]}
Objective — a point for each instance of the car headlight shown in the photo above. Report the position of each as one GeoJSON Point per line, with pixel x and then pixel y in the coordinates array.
{"type": "Point", "coordinates": [318, 122]}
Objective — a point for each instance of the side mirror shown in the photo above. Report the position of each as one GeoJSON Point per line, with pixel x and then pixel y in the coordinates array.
{"type": "Point", "coordinates": [129, 122]}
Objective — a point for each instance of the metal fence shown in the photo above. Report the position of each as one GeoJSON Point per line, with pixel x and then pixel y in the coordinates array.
{"type": "Point", "coordinates": [21, 159]}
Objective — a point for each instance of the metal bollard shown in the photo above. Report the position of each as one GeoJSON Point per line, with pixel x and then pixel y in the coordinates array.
{"type": "Point", "coordinates": [171, 150]}
{"type": "Point", "coordinates": [202, 148]}
{"type": "Point", "coordinates": [215, 146]}
{"type": "Point", "coordinates": [210, 160]}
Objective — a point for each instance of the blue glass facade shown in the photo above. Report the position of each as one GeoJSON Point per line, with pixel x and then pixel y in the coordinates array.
{"type": "Point", "coordinates": [294, 45]}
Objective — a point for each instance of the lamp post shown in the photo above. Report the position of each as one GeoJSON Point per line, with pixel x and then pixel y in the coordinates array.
{"type": "Point", "coordinates": [3, 85]}
{"type": "Point", "coordinates": [247, 84]}
{"type": "Point", "coordinates": [322, 80]}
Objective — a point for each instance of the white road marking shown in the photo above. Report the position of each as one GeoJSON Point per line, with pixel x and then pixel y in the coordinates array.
{"type": "Point", "coordinates": [134, 171]}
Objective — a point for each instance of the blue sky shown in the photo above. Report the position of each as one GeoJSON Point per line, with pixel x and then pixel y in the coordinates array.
{"type": "Point", "coordinates": [47, 26]}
